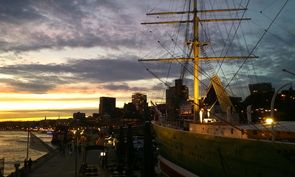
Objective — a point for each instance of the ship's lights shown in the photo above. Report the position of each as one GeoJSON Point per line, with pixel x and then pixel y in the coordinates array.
{"type": "Point", "coordinates": [201, 115]}
{"type": "Point", "coordinates": [209, 120]}
{"type": "Point", "coordinates": [269, 121]}
{"type": "Point", "coordinates": [102, 154]}
{"type": "Point", "coordinates": [74, 132]}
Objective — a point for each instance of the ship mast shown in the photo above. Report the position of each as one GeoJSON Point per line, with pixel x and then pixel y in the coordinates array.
{"type": "Point", "coordinates": [196, 44]}
{"type": "Point", "coordinates": [196, 49]}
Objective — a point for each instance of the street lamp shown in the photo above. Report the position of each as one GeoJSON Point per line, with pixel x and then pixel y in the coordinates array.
{"type": "Point", "coordinates": [284, 70]}
{"type": "Point", "coordinates": [76, 132]}
{"type": "Point", "coordinates": [103, 156]}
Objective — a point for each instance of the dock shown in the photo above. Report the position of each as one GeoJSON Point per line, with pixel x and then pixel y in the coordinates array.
{"type": "Point", "coordinates": [63, 164]}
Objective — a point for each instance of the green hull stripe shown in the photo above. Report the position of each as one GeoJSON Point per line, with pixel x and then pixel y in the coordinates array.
{"type": "Point", "coordinates": [212, 156]}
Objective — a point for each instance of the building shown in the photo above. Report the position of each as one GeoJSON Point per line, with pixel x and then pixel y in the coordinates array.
{"type": "Point", "coordinates": [175, 96]}
{"type": "Point", "coordinates": [79, 116]}
{"type": "Point", "coordinates": [260, 102]}
{"type": "Point", "coordinates": [140, 102]}
{"type": "Point", "coordinates": [129, 111]}
{"type": "Point", "coordinates": [261, 88]}
{"type": "Point", "coordinates": [95, 115]}
{"type": "Point", "coordinates": [107, 106]}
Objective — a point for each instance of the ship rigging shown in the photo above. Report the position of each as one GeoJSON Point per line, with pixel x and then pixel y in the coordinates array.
{"type": "Point", "coordinates": [225, 147]}
{"type": "Point", "coordinates": [196, 45]}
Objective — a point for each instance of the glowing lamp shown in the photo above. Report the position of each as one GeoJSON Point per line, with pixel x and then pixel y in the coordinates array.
{"type": "Point", "coordinates": [269, 121]}
{"type": "Point", "coordinates": [102, 154]}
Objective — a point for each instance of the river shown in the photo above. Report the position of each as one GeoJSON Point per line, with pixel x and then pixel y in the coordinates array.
{"type": "Point", "coordinates": [13, 147]}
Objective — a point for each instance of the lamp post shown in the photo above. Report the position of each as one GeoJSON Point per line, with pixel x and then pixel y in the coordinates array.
{"type": "Point", "coordinates": [76, 152]}
{"type": "Point", "coordinates": [284, 70]}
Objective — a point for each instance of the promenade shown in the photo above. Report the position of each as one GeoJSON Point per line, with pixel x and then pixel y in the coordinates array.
{"type": "Point", "coordinates": [61, 164]}
{"type": "Point", "coordinates": [58, 165]}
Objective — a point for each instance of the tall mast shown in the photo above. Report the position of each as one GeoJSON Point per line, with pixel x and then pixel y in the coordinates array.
{"type": "Point", "coordinates": [196, 49]}
{"type": "Point", "coordinates": [196, 43]}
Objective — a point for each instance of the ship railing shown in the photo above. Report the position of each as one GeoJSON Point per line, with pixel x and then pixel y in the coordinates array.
{"type": "Point", "coordinates": [177, 124]}
{"type": "Point", "coordinates": [281, 131]}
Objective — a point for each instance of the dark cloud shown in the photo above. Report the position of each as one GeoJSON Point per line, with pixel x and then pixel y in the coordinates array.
{"type": "Point", "coordinates": [123, 86]}
{"type": "Point", "coordinates": [32, 86]}
{"type": "Point", "coordinates": [41, 78]}
{"type": "Point", "coordinates": [18, 11]}
{"type": "Point", "coordinates": [275, 56]}
{"type": "Point", "coordinates": [32, 25]}
{"type": "Point", "coordinates": [24, 11]}
{"type": "Point", "coordinates": [27, 69]}
{"type": "Point", "coordinates": [35, 82]}
{"type": "Point", "coordinates": [108, 70]}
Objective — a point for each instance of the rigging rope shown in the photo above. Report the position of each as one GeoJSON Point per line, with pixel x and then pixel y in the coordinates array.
{"type": "Point", "coordinates": [235, 33]}
{"type": "Point", "coordinates": [186, 40]}
{"type": "Point", "coordinates": [224, 41]}
{"type": "Point", "coordinates": [152, 73]}
{"type": "Point", "coordinates": [253, 49]}
{"type": "Point", "coordinates": [258, 42]}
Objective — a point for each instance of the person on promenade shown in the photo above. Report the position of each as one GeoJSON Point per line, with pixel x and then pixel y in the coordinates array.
{"type": "Point", "coordinates": [30, 164]}
{"type": "Point", "coordinates": [17, 172]}
{"type": "Point", "coordinates": [25, 170]}
{"type": "Point", "coordinates": [25, 163]}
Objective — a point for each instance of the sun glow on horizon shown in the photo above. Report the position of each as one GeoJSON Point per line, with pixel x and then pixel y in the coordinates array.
{"type": "Point", "coordinates": [24, 119]}
{"type": "Point", "coordinates": [27, 107]}
{"type": "Point", "coordinates": [64, 100]}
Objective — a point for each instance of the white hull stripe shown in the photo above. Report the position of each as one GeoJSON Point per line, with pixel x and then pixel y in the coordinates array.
{"type": "Point", "coordinates": [181, 171]}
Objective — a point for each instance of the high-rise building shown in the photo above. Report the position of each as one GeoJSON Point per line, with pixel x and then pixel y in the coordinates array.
{"type": "Point", "coordinates": [107, 106]}
{"type": "Point", "coordinates": [140, 102]}
{"type": "Point", "coordinates": [175, 96]}
{"type": "Point", "coordinates": [261, 88]}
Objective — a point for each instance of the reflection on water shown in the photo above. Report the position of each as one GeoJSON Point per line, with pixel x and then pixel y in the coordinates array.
{"type": "Point", "coordinates": [13, 147]}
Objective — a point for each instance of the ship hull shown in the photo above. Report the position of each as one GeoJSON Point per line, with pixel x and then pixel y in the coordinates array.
{"type": "Point", "coordinates": [214, 156]}
{"type": "Point", "coordinates": [169, 168]}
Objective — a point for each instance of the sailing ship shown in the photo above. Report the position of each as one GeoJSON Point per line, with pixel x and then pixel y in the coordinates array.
{"type": "Point", "coordinates": [213, 142]}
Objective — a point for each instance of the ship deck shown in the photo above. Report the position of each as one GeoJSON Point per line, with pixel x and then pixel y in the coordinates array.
{"type": "Point", "coordinates": [280, 132]}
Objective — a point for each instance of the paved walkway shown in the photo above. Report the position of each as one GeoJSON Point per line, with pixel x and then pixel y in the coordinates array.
{"type": "Point", "coordinates": [60, 165]}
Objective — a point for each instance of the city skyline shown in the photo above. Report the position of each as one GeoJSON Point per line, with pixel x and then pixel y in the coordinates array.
{"type": "Point", "coordinates": [59, 57]}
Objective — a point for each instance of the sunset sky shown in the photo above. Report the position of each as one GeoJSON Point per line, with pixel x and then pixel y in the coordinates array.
{"type": "Point", "coordinates": [59, 56]}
